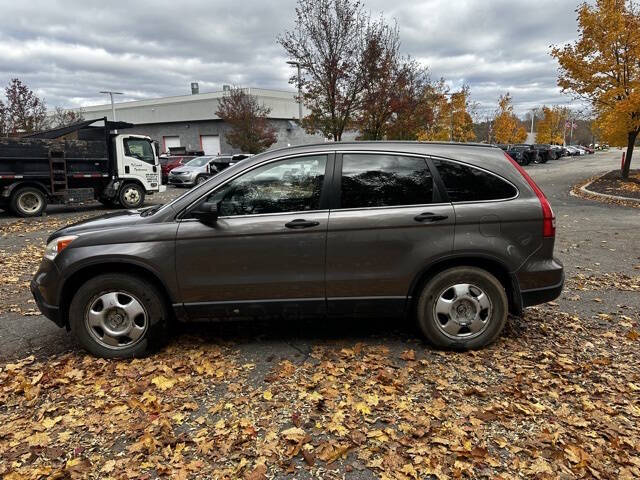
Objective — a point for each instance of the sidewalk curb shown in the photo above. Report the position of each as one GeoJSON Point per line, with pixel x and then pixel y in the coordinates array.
{"type": "Point", "coordinates": [590, 194]}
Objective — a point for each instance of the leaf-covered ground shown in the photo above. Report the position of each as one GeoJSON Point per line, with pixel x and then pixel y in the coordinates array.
{"type": "Point", "coordinates": [551, 399]}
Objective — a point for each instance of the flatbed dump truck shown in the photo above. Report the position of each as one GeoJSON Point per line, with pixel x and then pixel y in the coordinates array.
{"type": "Point", "coordinates": [79, 163]}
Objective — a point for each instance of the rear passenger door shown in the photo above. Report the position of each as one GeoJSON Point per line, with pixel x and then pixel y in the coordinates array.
{"type": "Point", "coordinates": [387, 222]}
{"type": "Point", "coordinates": [491, 222]}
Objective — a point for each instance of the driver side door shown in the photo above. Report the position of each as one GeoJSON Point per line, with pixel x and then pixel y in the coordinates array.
{"type": "Point", "coordinates": [265, 254]}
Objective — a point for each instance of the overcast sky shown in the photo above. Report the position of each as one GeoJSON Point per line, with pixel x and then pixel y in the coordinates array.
{"type": "Point", "coordinates": [69, 50]}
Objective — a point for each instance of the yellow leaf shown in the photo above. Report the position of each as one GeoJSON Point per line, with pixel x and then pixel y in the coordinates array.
{"type": "Point", "coordinates": [295, 434]}
{"type": "Point", "coordinates": [38, 439]}
{"type": "Point", "coordinates": [362, 408]}
{"type": "Point", "coordinates": [267, 395]}
{"type": "Point", "coordinates": [163, 383]}
{"type": "Point", "coordinates": [108, 466]}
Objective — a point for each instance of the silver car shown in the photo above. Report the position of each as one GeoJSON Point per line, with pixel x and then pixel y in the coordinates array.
{"type": "Point", "coordinates": [193, 173]}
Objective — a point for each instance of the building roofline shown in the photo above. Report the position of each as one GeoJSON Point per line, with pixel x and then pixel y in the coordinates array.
{"type": "Point", "coordinates": [261, 92]}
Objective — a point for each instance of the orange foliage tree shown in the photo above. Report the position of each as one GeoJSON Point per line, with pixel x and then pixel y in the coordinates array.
{"type": "Point", "coordinates": [603, 66]}
{"type": "Point", "coordinates": [551, 126]}
{"type": "Point", "coordinates": [506, 126]}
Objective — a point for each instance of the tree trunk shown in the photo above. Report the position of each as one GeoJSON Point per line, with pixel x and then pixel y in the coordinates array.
{"type": "Point", "coordinates": [631, 140]}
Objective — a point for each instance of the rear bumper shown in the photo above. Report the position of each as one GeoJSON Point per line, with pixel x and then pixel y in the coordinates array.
{"type": "Point", "coordinates": [542, 295]}
{"type": "Point", "coordinates": [541, 282]}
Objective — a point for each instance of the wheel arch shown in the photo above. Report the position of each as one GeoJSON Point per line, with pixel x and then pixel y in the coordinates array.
{"type": "Point", "coordinates": [10, 189]}
{"type": "Point", "coordinates": [72, 283]}
{"type": "Point", "coordinates": [491, 265]}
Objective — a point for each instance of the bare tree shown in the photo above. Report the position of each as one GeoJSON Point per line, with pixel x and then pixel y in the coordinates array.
{"type": "Point", "coordinates": [381, 67]}
{"type": "Point", "coordinates": [63, 117]}
{"type": "Point", "coordinates": [250, 130]}
{"type": "Point", "coordinates": [23, 112]}
{"type": "Point", "coordinates": [327, 41]}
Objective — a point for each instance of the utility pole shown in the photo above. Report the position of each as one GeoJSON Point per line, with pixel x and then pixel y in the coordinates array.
{"type": "Point", "coordinates": [533, 116]}
{"type": "Point", "coordinates": [297, 64]}
{"type": "Point", "coordinates": [113, 107]}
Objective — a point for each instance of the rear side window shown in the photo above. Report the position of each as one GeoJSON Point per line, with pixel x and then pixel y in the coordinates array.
{"type": "Point", "coordinates": [380, 180]}
{"type": "Point", "coordinates": [468, 184]}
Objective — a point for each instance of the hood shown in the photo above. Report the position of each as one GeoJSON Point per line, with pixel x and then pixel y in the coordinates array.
{"type": "Point", "coordinates": [187, 168]}
{"type": "Point", "coordinates": [110, 220]}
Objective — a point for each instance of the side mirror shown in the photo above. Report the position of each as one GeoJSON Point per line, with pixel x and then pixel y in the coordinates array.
{"type": "Point", "coordinates": [206, 213]}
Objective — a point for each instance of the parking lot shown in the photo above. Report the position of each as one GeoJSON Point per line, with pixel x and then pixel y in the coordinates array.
{"type": "Point", "coordinates": [556, 395]}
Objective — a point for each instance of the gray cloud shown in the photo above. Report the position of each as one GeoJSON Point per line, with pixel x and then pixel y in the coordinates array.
{"type": "Point", "coordinates": [69, 50]}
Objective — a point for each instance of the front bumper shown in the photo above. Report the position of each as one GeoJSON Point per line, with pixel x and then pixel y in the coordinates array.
{"type": "Point", "coordinates": [44, 290]}
{"type": "Point", "coordinates": [186, 181]}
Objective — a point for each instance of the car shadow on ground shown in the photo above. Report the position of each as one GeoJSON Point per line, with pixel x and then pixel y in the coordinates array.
{"type": "Point", "coordinates": [317, 331]}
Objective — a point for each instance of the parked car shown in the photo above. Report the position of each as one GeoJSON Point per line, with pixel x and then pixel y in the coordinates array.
{"type": "Point", "coordinates": [168, 163]}
{"type": "Point", "coordinates": [454, 235]}
{"type": "Point", "coordinates": [589, 150]}
{"type": "Point", "coordinates": [544, 153]}
{"type": "Point", "coordinates": [194, 172]}
{"type": "Point", "coordinates": [573, 151]}
{"type": "Point", "coordinates": [223, 162]}
{"type": "Point", "coordinates": [558, 151]}
{"type": "Point", "coordinates": [528, 151]}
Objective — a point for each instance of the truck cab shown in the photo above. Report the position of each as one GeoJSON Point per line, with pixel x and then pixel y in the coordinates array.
{"type": "Point", "coordinates": [137, 170]}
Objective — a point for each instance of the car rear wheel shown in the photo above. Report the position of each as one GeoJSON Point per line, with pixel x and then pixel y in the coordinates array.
{"type": "Point", "coordinates": [119, 316]}
{"type": "Point", "coordinates": [462, 308]}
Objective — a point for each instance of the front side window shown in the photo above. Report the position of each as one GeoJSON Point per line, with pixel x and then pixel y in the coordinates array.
{"type": "Point", "coordinates": [383, 180]}
{"type": "Point", "coordinates": [468, 184]}
{"type": "Point", "coordinates": [291, 185]}
{"type": "Point", "coordinates": [139, 148]}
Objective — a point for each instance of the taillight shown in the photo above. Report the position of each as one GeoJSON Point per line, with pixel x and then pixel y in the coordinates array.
{"type": "Point", "coordinates": [548, 217]}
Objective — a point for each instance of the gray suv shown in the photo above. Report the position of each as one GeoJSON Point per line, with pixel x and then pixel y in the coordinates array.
{"type": "Point", "coordinates": [455, 236]}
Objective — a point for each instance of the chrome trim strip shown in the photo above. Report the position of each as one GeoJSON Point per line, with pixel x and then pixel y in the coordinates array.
{"type": "Point", "coordinates": [273, 300]}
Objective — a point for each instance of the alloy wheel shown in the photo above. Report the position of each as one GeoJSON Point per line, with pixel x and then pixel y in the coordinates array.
{"type": "Point", "coordinates": [116, 320]}
{"type": "Point", "coordinates": [462, 311]}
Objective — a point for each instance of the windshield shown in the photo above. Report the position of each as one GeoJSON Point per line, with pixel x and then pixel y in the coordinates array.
{"type": "Point", "coordinates": [199, 161]}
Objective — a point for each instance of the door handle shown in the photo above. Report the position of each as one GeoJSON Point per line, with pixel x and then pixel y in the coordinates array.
{"type": "Point", "coordinates": [301, 223]}
{"type": "Point", "coordinates": [430, 217]}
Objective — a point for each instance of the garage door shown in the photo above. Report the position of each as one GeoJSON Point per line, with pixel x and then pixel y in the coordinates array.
{"type": "Point", "coordinates": [171, 142]}
{"type": "Point", "coordinates": [210, 144]}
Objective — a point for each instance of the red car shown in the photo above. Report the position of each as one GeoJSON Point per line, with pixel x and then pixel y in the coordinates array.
{"type": "Point", "coordinates": [169, 162]}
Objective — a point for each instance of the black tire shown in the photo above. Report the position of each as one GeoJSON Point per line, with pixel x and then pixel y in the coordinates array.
{"type": "Point", "coordinates": [431, 323]}
{"type": "Point", "coordinates": [28, 202]}
{"type": "Point", "coordinates": [200, 179]}
{"type": "Point", "coordinates": [131, 195]}
{"type": "Point", "coordinates": [156, 316]}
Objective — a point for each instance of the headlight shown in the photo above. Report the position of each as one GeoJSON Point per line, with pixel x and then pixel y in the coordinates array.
{"type": "Point", "coordinates": [54, 247]}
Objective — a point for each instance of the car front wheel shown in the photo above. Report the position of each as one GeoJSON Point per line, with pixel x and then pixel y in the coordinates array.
{"type": "Point", "coordinates": [119, 316]}
{"type": "Point", "coordinates": [462, 308]}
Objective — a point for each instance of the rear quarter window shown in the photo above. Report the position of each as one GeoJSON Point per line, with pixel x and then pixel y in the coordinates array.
{"type": "Point", "coordinates": [467, 184]}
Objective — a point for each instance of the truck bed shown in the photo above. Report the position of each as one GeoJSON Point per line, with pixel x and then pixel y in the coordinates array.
{"type": "Point", "coordinates": [29, 157]}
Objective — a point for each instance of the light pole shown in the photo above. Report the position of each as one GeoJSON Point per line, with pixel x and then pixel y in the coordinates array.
{"type": "Point", "coordinates": [113, 108]}
{"type": "Point", "coordinates": [297, 64]}
{"type": "Point", "coordinates": [533, 116]}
